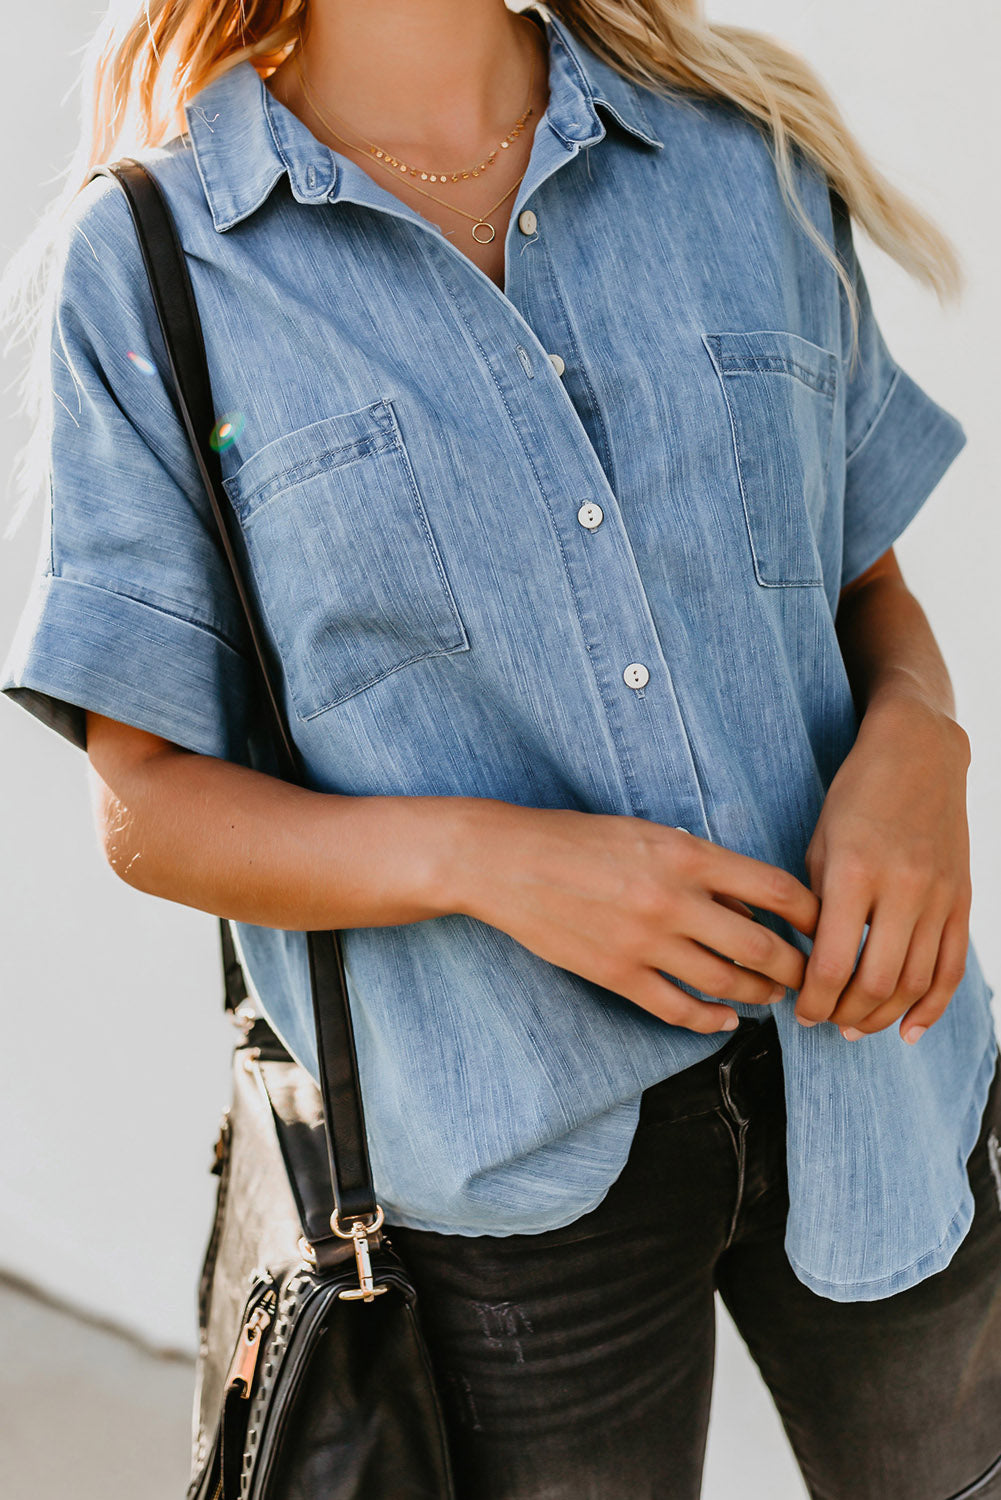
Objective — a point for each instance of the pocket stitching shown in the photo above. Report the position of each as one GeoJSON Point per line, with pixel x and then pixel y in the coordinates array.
{"type": "Point", "coordinates": [248, 506]}
{"type": "Point", "coordinates": [825, 386]}
{"type": "Point", "coordinates": [422, 517]}
{"type": "Point", "coordinates": [361, 687]}
{"type": "Point", "coordinates": [458, 640]}
{"type": "Point", "coordinates": [368, 445]}
{"type": "Point", "coordinates": [824, 380]}
{"type": "Point", "coordinates": [777, 364]}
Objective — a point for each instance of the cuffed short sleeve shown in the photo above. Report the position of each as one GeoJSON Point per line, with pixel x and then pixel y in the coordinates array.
{"type": "Point", "coordinates": [899, 441]}
{"type": "Point", "coordinates": [132, 612]}
{"type": "Point", "coordinates": [81, 646]}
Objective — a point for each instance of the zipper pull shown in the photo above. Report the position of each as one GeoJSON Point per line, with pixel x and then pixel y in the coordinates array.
{"type": "Point", "coordinates": [241, 1371]}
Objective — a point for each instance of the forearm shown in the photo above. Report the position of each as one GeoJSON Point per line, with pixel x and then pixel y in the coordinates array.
{"type": "Point", "coordinates": [889, 650]}
{"type": "Point", "coordinates": [235, 842]}
{"type": "Point", "coordinates": [619, 900]}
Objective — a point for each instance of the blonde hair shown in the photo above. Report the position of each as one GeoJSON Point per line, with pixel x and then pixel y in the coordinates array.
{"type": "Point", "coordinates": [139, 72]}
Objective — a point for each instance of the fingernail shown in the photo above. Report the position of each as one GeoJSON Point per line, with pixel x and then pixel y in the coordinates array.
{"type": "Point", "coordinates": [850, 1034]}
{"type": "Point", "coordinates": [778, 991]}
{"type": "Point", "coordinates": [805, 1021]}
{"type": "Point", "coordinates": [914, 1034]}
{"type": "Point", "coordinates": [730, 1024]}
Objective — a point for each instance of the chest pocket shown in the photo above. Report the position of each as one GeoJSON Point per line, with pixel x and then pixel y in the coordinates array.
{"type": "Point", "coordinates": [349, 575]}
{"type": "Point", "coordinates": [779, 390]}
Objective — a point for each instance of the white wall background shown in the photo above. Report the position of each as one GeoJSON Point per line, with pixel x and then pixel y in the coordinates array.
{"type": "Point", "coordinates": [114, 1057]}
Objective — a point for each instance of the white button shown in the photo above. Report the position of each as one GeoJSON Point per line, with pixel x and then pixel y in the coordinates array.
{"type": "Point", "coordinates": [636, 675]}
{"type": "Point", "coordinates": [591, 516]}
{"type": "Point", "coordinates": [557, 363]}
{"type": "Point", "coordinates": [527, 221]}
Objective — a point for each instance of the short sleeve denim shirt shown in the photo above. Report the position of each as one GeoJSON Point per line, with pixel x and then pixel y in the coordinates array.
{"type": "Point", "coordinates": [603, 581]}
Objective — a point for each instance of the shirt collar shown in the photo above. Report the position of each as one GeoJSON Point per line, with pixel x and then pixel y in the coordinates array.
{"type": "Point", "coordinates": [578, 80]}
{"type": "Point", "coordinates": [244, 139]}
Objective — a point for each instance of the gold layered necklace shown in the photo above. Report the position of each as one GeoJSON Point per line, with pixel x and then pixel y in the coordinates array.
{"type": "Point", "coordinates": [482, 229]}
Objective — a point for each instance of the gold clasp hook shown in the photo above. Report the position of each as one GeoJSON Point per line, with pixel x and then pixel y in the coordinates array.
{"type": "Point", "coordinates": [366, 1290]}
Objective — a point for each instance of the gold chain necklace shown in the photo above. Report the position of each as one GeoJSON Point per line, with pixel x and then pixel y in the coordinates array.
{"type": "Point", "coordinates": [479, 222]}
{"type": "Point", "coordinates": [382, 154]}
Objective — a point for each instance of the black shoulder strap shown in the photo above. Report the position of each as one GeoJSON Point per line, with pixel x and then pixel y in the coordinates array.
{"type": "Point", "coordinates": [177, 311]}
{"type": "Point", "coordinates": [234, 984]}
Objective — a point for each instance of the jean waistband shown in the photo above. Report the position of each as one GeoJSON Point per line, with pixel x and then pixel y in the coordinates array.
{"type": "Point", "coordinates": [696, 1089]}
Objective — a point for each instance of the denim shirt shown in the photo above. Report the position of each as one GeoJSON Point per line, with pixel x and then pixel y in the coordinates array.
{"type": "Point", "coordinates": [605, 582]}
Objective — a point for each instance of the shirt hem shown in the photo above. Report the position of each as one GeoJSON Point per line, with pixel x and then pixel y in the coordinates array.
{"type": "Point", "coordinates": [939, 1256]}
{"type": "Point", "coordinates": [407, 1221]}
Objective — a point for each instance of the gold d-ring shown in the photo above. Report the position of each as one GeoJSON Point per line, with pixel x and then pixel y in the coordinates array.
{"type": "Point", "coordinates": [348, 1234]}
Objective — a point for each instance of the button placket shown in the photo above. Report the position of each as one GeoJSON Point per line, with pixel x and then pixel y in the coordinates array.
{"type": "Point", "coordinates": [597, 575]}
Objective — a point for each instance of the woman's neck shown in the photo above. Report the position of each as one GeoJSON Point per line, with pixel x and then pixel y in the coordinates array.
{"type": "Point", "coordinates": [435, 78]}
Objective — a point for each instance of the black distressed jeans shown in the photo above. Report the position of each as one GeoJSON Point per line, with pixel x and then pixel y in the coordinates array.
{"type": "Point", "coordinates": [577, 1364]}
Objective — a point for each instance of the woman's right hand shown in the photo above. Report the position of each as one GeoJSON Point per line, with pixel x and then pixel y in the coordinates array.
{"type": "Point", "coordinates": [617, 899]}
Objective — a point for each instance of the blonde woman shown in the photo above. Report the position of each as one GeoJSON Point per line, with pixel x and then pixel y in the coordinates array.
{"type": "Point", "coordinates": [568, 459]}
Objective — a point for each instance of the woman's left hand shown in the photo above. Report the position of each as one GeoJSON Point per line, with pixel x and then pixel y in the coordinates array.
{"type": "Point", "coordinates": [891, 848]}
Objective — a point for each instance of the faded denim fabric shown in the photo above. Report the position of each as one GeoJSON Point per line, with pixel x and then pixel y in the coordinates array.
{"type": "Point", "coordinates": [419, 493]}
